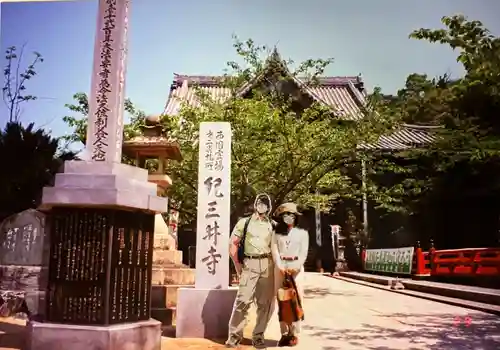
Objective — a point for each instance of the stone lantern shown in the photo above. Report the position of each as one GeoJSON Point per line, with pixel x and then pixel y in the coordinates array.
{"type": "Point", "coordinates": [153, 144]}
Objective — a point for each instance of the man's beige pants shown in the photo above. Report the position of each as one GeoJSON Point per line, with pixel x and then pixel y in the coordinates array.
{"type": "Point", "coordinates": [256, 284]}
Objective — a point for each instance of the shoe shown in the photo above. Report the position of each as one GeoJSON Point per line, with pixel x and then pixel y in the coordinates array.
{"type": "Point", "coordinates": [293, 341]}
{"type": "Point", "coordinates": [232, 343]}
{"type": "Point", "coordinates": [284, 341]}
{"type": "Point", "coordinates": [259, 343]}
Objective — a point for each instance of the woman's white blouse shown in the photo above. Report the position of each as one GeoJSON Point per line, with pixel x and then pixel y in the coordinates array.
{"type": "Point", "coordinates": [296, 243]}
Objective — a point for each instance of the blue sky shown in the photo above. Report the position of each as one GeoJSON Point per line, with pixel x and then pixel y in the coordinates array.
{"type": "Point", "coordinates": [194, 37]}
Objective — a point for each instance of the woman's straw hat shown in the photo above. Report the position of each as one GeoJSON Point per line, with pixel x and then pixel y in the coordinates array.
{"type": "Point", "coordinates": [287, 208]}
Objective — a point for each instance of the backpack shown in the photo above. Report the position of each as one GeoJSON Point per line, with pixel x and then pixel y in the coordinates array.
{"type": "Point", "coordinates": [241, 245]}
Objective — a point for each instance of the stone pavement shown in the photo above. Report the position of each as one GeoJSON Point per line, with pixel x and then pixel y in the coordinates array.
{"type": "Point", "coordinates": [347, 316]}
{"type": "Point", "coordinates": [344, 315]}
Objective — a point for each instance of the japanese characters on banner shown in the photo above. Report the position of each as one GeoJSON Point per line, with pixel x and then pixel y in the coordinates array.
{"type": "Point", "coordinates": [214, 191]}
{"type": "Point", "coordinates": [335, 231]}
{"type": "Point", "coordinates": [106, 103]}
{"type": "Point", "coordinates": [318, 227]}
{"type": "Point", "coordinates": [398, 260]}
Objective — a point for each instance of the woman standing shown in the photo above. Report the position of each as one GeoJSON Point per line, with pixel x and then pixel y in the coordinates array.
{"type": "Point", "coordinates": [289, 248]}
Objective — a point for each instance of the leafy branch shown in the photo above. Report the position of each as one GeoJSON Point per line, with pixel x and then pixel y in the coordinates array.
{"type": "Point", "coordinates": [15, 79]}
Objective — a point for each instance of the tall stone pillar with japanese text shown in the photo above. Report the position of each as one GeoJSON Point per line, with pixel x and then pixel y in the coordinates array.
{"type": "Point", "coordinates": [204, 311]}
{"type": "Point", "coordinates": [101, 216]}
{"type": "Point", "coordinates": [106, 100]}
{"type": "Point", "coordinates": [214, 192]}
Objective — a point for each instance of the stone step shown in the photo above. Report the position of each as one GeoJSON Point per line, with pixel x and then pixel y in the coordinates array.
{"type": "Point", "coordinates": [165, 315]}
{"type": "Point", "coordinates": [172, 275]}
{"type": "Point", "coordinates": [163, 256]}
{"type": "Point", "coordinates": [165, 296]}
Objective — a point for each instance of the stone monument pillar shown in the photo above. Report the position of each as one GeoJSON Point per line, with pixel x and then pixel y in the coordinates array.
{"type": "Point", "coordinates": [101, 222]}
{"type": "Point", "coordinates": [204, 311]}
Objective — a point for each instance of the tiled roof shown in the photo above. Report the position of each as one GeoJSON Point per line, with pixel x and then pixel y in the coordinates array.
{"type": "Point", "coordinates": [345, 95]}
{"type": "Point", "coordinates": [405, 137]}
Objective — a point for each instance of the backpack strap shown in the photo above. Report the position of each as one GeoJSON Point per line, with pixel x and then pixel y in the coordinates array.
{"type": "Point", "coordinates": [241, 245]}
{"type": "Point", "coordinates": [245, 228]}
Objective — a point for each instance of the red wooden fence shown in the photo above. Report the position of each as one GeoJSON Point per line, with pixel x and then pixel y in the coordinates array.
{"type": "Point", "coordinates": [466, 262]}
{"type": "Point", "coordinates": [470, 262]}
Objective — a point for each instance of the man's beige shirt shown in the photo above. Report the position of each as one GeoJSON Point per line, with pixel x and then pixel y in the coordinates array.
{"type": "Point", "coordinates": [258, 237]}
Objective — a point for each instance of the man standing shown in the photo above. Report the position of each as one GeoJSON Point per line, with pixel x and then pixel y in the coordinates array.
{"type": "Point", "coordinates": [256, 273]}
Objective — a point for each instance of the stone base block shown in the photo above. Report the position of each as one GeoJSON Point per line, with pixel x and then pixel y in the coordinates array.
{"type": "Point", "coordinates": [172, 275]}
{"type": "Point", "coordinates": [341, 266]}
{"type": "Point", "coordinates": [145, 335]}
{"type": "Point", "coordinates": [168, 257]}
{"type": "Point", "coordinates": [204, 313]}
{"type": "Point", "coordinates": [98, 168]}
{"type": "Point", "coordinates": [397, 285]}
{"type": "Point", "coordinates": [97, 184]}
{"type": "Point", "coordinates": [166, 295]}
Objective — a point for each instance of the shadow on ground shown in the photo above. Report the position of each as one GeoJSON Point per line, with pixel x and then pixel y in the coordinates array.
{"type": "Point", "coordinates": [203, 344]}
{"type": "Point", "coordinates": [423, 331]}
{"type": "Point", "coordinates": [169, 333]}
{"type": "Point", "coordinates": [12, 335]}
{"type": "Point", "coordinates": [312, 293]}
{"type": "Point", "coordinates": [320, 292]}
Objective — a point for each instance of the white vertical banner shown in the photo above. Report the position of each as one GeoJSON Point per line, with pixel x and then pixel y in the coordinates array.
{"type": "Point", "coordinates": [214, 206]}
{"type": "Point", "coordinates": [105, 119]}
{"type": "Point", "coordinates": [318, 226]}
{"type": "Point", "coordinates": [335, 230]}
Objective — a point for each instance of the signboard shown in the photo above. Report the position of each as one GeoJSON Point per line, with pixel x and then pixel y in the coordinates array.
{"type": "Point", "coordinates": [214, 192]}
{"type": "Point", "coordinates": [397, 260]}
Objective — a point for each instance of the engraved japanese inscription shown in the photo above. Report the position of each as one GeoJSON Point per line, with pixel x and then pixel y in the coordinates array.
{"type": "Point", "coordinates": [212, 265]}
{"type": "Point", "coordinates": [105, 131]}
{"type": "Point", "coordinates": [100, 266]}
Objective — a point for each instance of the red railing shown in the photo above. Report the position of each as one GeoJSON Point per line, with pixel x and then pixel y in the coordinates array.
{"type": "Point", "coordinates": [421, 263]}
{"type": "Point", "coordinates": [466, 262]}
{"type": "Point", "coordinates": [470, 262]}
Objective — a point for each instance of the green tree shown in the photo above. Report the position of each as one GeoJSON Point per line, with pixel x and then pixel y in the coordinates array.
{"type": "Point", "coordinates": [460, 169]}
{"type": "Point", "coordinates": [15, 80]}
{"type": "Point", "coordinates": [32, 158]}
{"type": "Point", "coordinates": [78, 123]}
{"type": "Point", "coordinates": [290, 147]}
{"type": "Point", "coordinates": [284, 144]}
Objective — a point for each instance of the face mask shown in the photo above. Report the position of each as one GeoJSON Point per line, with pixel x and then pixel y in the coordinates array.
{"type": "Point", "coordinates": [261, 208]}
{"type": "Point", "coordinates": [289, 219]}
